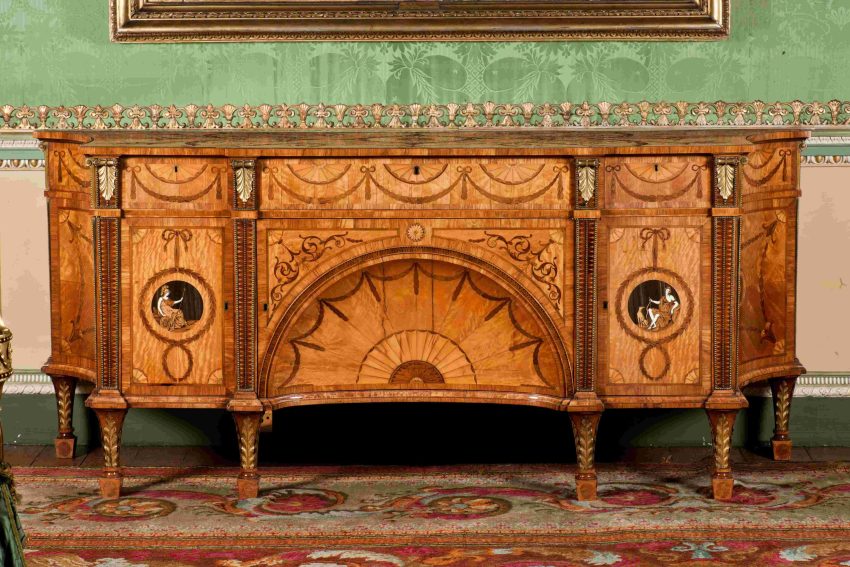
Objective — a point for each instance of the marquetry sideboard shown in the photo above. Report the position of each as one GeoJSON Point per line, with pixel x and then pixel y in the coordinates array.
{"type": "Point", "coordinates": [566, 269]}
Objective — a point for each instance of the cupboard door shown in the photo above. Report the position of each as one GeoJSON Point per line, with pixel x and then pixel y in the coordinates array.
{"type": "Point", "coordinates": [654, 321]}
{"type": "Point", "coordinates": [175, 286]}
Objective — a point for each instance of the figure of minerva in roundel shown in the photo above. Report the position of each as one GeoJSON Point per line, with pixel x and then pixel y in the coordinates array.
{"type": "Point", "coordinates": [171, 316]}
{"type": "Point", "coordinates": [659, 312]}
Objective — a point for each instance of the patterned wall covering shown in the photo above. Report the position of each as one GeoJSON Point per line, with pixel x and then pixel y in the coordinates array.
{"type": "Point", "coordinates": [779, 50]}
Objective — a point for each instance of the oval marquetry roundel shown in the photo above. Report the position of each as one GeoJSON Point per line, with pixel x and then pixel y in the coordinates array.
{"type": "Point", "coordinates": [654, 305]}
{"type": "Point", "coordinates": [177, 305]}
{"type": "Point", "coordinates": [409, 323]}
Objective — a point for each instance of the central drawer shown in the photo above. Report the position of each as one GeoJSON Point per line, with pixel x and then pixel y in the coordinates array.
{"type": "Point", "coordinates": [429, 182]}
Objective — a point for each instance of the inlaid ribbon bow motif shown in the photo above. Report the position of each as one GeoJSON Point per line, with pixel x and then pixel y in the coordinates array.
{"type": "Point", "coordinates": [176, 235]}
{"type": "Point", "coordinates": [656, 235]}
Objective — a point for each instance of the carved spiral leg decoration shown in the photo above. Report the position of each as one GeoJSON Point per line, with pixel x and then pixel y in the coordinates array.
{"type": "Point", "coordinates": [111, 424]}
{"type": "Point", "coordinates": [65, 442]}
{"type": "Point", "coordinates": [584, 433]}
{"type": "Point", "coordinates": [783, 392]}
{"type": "Point", "coordinates": [722, 423]}
{"type": "Point", "coordinates": [248, 430]}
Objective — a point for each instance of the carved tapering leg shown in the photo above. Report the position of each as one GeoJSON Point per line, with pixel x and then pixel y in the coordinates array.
{"type": "Point", "coordinates": [584, 432]}
{"type": "Point", "coordinates": [722, 423]}
{"type": "Point", "coordinates": [783, 392]}
{"type": "Point", "coordinates": [65, 442]}
{"type": "Point", "coordinates": [248, 430]}
{"type": "Point", "coordinates": [111, 424]}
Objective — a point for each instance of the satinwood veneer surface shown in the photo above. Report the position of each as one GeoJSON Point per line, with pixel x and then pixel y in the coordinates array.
{"type": "Point", "coordinates": [572, 270]}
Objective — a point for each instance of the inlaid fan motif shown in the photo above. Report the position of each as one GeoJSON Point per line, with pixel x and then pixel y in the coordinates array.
{"type": "Point", "coordinates": [416, 356]}
{"type": "Point", "coordinates": [415, 324]}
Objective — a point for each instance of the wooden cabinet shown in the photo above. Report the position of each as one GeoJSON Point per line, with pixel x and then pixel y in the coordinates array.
{"type": "Point", "coordinates": [560, 269]}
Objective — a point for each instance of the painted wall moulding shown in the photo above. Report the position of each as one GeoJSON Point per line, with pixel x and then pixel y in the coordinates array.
{"type": "Point", "coordinates": [35, 382]}
{"type": "Point", "coordinates": [816, 114]}
{"type": "Point", "coordinates": [163, 21]}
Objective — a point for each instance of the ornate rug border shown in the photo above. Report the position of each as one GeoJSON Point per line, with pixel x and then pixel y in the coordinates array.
{"type": "Point", "coordinates": [611, 537]}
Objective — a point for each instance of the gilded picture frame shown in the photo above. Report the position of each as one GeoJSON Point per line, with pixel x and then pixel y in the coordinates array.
{"type": "Point", "coordinates": [176, 21]}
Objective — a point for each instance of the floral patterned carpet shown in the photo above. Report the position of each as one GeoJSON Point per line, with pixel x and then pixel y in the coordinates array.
{"type": "Point", "coordinates": [501, 515]}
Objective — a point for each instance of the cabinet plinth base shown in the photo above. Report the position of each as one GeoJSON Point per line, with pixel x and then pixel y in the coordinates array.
{"type": "Point", "coordinates": [586, 489]}
{"type": "Point", "coordinates": [247, 487]}
{"type": "Point", "coordinates": [110, 486]}
{"type": "Point", "coordinates": [781, 449]}
{"type": "Point", "coordinates": [65, 447]}
{"type": "Point", "coordinates": [721, 487]}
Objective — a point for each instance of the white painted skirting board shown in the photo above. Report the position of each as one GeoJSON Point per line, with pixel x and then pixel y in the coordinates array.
{"type": "Point", "coordinates": [808, 386]}
{"type": "Point", "coordinates": [35, 382]}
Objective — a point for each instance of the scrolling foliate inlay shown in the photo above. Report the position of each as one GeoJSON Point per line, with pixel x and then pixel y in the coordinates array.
{"type": "Point", "coordinates": [290, 250]}
{"type": "Point", "coordinates": [538, 257]}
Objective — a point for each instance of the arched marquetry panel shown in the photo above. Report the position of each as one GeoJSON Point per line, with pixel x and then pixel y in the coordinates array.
{"type": "Point", "coordinates": [415, 323]}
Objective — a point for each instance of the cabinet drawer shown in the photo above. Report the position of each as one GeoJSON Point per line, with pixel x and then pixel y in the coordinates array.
{"type": "Point", "coordinates": [399, 183]}
{"type": "Point", "coordinates": [174, 183]}
{"type": "Point", "coordinates": [655, 182]}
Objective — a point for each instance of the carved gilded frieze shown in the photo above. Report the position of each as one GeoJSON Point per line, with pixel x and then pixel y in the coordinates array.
{"type": "Point", "coordinates": [556, 114]}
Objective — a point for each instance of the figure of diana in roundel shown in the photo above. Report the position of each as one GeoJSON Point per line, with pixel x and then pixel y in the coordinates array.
{"type": "Point", "coordinates": [177, 305]}
{"type": "Point", "coordinates": [654, 305]}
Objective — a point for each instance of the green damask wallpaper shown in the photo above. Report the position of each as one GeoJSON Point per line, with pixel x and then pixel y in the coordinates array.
{"type": "Point", "coordinates": [58, 52]}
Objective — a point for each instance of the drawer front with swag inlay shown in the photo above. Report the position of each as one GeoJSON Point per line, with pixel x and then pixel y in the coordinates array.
{"type": "Point", "coordinates": [651, 182]}
{"type": "Point", "coordinates": [175, 183]}
{"type": "Point", "coordinates": [405, 183]}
